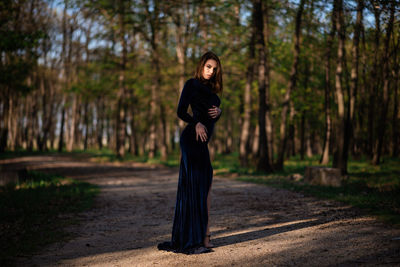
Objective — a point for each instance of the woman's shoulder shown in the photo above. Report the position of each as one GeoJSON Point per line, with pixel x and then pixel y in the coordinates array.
{"type": "Point", "coordinates": [191, 81]}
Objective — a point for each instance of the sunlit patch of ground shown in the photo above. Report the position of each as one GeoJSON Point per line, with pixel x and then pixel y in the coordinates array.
{"type": "Point", "coordinates": [251, 225]}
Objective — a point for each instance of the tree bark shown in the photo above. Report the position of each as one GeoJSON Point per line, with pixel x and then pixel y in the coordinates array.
{"type": "Point", "coordinates": [263, 160]}
{"type": "Point", "coordinates": [328, 120]}
{"type": "Point", "coordinates": [268, 120]}
{"type": "Point", "coordinates": [375, 82]}
{"type": "Point", "coordinates": [339, 160]}
{"type": "Point", "coordinates": [386, 85]}
{"type": "Point", "coordinates": [352, 94]}
{"type": "Point", "coordinates": [396, 114]}
{"type": "Point", "coordinates": [245, 133]}
{"type": "Point", "coordinates": [121, 105]}
{"type": "Point", "coordinates": [154, 23]}
{"type": "Point", "coordinates": [291, 87]}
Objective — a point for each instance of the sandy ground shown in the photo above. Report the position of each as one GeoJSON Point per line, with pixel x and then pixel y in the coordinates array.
{"type": "Point", "coordinates": [251, 225]}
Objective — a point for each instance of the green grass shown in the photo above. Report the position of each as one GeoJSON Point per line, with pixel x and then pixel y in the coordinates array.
{"type": "Point", "coordinates": [34, 212]}
{"type": "Point", "coordinates": [374, 189]}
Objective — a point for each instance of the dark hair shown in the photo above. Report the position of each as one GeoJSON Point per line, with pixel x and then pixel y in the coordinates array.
{"type": "Point", "coordinates": [216, 80]}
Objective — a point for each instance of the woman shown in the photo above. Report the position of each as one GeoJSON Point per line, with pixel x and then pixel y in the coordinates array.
{"type": "Point", "coordinates": [191, 232]}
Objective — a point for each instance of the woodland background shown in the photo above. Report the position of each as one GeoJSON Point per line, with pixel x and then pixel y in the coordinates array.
{"type": "Point", "coordinates": [301, 78]}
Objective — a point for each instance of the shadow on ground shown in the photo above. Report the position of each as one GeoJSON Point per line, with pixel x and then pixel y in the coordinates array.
{"type": "Point", "coordinates": [251, 224]}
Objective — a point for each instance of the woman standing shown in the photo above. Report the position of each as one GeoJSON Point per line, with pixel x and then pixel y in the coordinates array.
{"type": "Point", "coordinates": [191, 232]}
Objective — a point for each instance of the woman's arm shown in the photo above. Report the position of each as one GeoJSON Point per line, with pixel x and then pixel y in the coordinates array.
{"type": "Point", "coordinates": [184, 102]}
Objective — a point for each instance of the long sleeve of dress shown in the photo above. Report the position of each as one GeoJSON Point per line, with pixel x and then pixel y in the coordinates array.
{"type": "Point", "coordinates": [184, 102]}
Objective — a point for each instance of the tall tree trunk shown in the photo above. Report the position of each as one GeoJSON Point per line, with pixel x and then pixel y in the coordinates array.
{"type": "Point", "coordinates": [245, 133]}
{"type": "Point", "coordinates": [386, 85]}
{"type": "Point", "coordinates": [121, 105]}
{"type": "Point", "coordinates": [291, 87]}
{"type": "Point", "coordinates": [181, 55]}
{"type": "Point", "coordinates": [62, 125]}
{"type": "Point", "coordinates": [352, 94]}
{"type": "Point", "coordinates": [73, 114]}
{"type": "Point", "coordinates": [375, 80]}
{"type": "Point", "coordinates": [328, 120]}
{"type": "Point", "coordinates": [268, 120]}
{"type": "Point", "coordinates": [65, 72]}
{"type": "Point", "coordinates": [396, 114]}
{"type": "Point", "coordinates": [12, 122]}
{"type": "Point", "coordinates": [134, 138]}
{"type": "Point", "coordinates": [339, 160]}
{"type": "Point", "coordinates": [263, 160]}
{"type": "Point", "coordinates": [4, 121]}
{"type": "Point", "coordinates": [154, 21]}
{"type": "Point", "coordinates": [48, 109]}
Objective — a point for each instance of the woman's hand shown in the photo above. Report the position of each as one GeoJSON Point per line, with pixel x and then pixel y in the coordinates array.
{"type": "Point", "coordinates": [201, 131]}
{"type": "Point", "coordinates": [214, 112]}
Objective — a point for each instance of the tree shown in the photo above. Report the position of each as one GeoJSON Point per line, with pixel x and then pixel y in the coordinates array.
{"type": "Point", "coordinates": [339, 160]}
{"type": "Point", "coordinates": [386, 85]}
{"type": "Point", "coordinates": [291, 87]}
{"type": "Point", "coordinates": [263, 157]}
{"type": "Point", "coordinates": [328, 120]}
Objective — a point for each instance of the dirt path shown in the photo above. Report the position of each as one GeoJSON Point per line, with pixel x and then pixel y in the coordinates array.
{"type": "Point", "coordinates": [252, 225]}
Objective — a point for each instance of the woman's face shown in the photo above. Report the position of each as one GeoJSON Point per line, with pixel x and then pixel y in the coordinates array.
{"type": "Point", "coordinates": [209, 69]}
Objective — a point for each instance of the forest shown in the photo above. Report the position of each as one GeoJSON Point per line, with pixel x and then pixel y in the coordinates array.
{"type": "Point", "coordinates": [301, 77]}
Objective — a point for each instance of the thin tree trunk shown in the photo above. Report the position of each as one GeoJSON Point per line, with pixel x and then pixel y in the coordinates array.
{"type": "Point", "coordinates": [4, 121]}
{"type": "Point", "coordinates": [374, 83]}
{"type": "Point", "coordinates": [245, 133]}
{"type": "Point", "coordinates": [121, 105]}
{"type": "Point", "coordinates": [328, 120]}
{"type": "Point", "coordinates": [263, 161]}
{"type": "Point", "coordinates": [100, 121]}
{"type": "Point", "coordinates": [291, 87]}
{"type": "Point", "coordinates": [302, 135]}
{"type": "Point", "coordinates": [360, 146]}
{"type": "Point", "coordinates": [181, 47]}
{"type": "Point", "coordinates": [162, 138]}
{"type": "Point", "coordinates": [352, 94]}
{"type": "Point", "coordinates": [386, 85]}
{"type": "Point", "coordinates": [268, 120]}
{"type": "Point", "coordinates": [86, 124]}
{"type": "Point", "coordinates": [155, 62]}
{"type": "Point", "coordinates": [12, 122]}
{"type": "Point", "coordinates": [339, 158]}
{"type": "Point", "coordinates": [396, 114]}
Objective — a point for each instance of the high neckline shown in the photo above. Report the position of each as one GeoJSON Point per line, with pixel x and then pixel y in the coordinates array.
{"type": "Point", "coordinates": [204, 86]}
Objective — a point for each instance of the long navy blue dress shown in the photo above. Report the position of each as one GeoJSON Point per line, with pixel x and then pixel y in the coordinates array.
{"type": "Point", "coordinates": [195, 173]}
